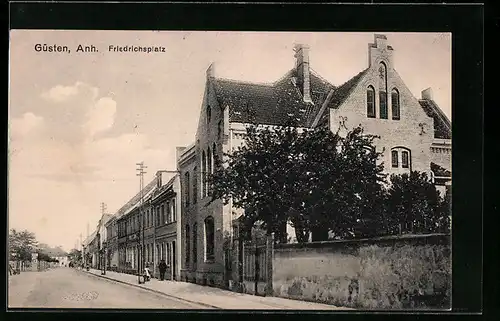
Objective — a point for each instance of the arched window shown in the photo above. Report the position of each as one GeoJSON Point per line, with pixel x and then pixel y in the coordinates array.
{"type": "Point", "coordinates": [383, 90]}
{"type": "Point", "coordinates": [195, 185]}
{"type": "Point", "coordinates": [186, 188]}
{"type": "Point", "coordinates": [219, 129]}
{"type": "Point", "coordinates": [209, 159]}
{"type": "Point", "coordinates": [403, 161]}
{"type": "Point", "coordinates": [188, 243]}
{"type": "Point", "coordinates": [394, 158]}
{"type": "Point", "coordinates": [214, 156]}
{"type": "Point", "coordinates": [195, 243]}
{"type": "Point", "coordinates": [370, 102]}
{"type": "Point", "coordinates": [174, 211]}
{"type": "Point", "coordinates": [209, 238]}
{"type": "Point", "coordinates": [209, 114]}
{"type": "Point", "coordinates": [395, 104]}
{"type": "Point", "coordinates": [203, 170]}
{"type": "Point", "coordinates": [168, 218]}
{"type": "Point", "coordinates": [208, 170]}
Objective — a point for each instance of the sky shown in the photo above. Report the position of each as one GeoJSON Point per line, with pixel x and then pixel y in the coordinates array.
{"type": "Point", "coordinates": [79, 122]}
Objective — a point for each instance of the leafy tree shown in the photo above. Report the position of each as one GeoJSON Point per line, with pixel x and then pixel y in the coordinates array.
{"type": "Point", "coordinates": [415, 204]}
{"type": "Point", "coordinates": [21, 245]}
{"type": "Point", "coordinates": [317, 179]}
{"type": "Point", "coordinates": [254, 176]}
{"type": "Point", "coordinates": [75, 255]}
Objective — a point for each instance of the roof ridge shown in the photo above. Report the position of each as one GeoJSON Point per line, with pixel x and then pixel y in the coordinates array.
{"type": "Point", "coordinates": [243, 82]}
{"type": "Point", "coordinates": [315, 73]}
{"type": "Point", "coordinates": [439, 112]}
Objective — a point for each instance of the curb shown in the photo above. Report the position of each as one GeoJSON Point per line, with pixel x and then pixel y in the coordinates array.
{"type": "Point", "coordinates": [154, 291]}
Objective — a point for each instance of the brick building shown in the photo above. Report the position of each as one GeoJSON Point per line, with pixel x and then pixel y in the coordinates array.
{"type": "Point", "coordinates": [415, 135]}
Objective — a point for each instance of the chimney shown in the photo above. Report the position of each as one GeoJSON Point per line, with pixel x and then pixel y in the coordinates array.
{"type": "Point", "coordinates": [427, 94]}
{"type": "Point", "coordinates": [302, 68]}
{"type": "Point", "coordinates": [211, 71]}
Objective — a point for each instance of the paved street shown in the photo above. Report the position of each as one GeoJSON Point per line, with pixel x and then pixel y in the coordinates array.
{"type": "Point", "coordinates": [69, 288]}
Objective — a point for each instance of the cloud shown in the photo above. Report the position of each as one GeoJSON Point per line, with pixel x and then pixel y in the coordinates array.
{"type": "Point", "coordinates": [100, 117]}
{"type": "Point", "coordinates": [25, 125]}
{"type": "Point", "coordinates": [62, 93]}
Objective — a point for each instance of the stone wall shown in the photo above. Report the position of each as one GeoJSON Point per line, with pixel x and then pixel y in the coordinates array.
{"type": "Point", "coordinates": [382, 273]}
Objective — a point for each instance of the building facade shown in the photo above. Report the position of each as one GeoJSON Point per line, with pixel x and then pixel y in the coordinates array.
{"type": "Point", "coordinates": [415, 135]}
{"type": "Point", "coordinates": [111, 243]}
{"type": "Point", "coordinates": [165, 220]}
{"type": "Point", "coordinates": [147, 231]}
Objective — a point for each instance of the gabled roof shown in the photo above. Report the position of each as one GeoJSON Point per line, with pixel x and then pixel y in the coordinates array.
{"type": "Point", "coordinates": [269, 104]}
{"type": "Point", "coordinates": [442, 125]}
{"type": "Point", "coordinates": [163, 189]}
{"type": "Point", "coordinates": [440, 171]}
{"type": "Point", "coordinates": [147, 194]}
{"type": "Point", "coordinates": [134, 200]}
{"type": "Point", "coordinates": [341, 93]}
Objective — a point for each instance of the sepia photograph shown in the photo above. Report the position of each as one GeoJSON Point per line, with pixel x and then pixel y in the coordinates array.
{"type": "Point", "coordinates": [230, 170]}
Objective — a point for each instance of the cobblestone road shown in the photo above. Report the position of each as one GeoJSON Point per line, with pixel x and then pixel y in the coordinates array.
{"type": "Point", "coordinates": [69, 288]}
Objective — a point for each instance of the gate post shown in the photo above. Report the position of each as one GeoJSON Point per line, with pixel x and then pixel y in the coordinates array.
{"type": "Point", "coordinates": [257, 266]}
{"type": "Point", "coordinates": [241, 249]}
{"type": "Point", "coordinates": [269, 265]}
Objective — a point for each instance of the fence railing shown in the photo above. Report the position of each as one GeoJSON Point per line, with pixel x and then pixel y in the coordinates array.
{"type": "Point", "coordinates": [254, 264]}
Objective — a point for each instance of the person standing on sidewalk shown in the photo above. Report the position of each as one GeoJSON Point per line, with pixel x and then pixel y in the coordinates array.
{"type": "Point", "coordinates": [163, 267]}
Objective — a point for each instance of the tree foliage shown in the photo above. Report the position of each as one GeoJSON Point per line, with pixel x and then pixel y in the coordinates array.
{"type": "Point", "coordinates": [75, 255]}
{"type": "Point", "coordinates": [322, 182]}
{"type": "Point", "coordinates": [21, 245]}
{"type": "Point", "coordinates": [415, 203]}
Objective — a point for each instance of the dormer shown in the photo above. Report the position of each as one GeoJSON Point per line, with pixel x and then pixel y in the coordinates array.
{"type": "Point", "coordinates": [379, 52]}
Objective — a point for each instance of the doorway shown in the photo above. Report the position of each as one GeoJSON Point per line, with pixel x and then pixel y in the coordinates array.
{"type": "Point", "coordinates": [174, 262]}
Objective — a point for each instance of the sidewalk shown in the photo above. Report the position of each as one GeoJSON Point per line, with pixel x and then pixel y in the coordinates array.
{"type": "Point", "coordinates": [214, 297]}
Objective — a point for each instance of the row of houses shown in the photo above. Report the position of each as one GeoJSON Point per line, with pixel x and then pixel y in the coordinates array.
{"type": "Point", "coordinates": [173, 216]}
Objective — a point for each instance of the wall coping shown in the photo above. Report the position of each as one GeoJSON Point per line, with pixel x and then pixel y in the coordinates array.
{"type": "Point", "coordinates": [366, 241]}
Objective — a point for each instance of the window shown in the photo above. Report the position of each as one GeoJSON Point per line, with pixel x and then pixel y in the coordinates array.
{"type": "Point", "coordinates": [158, 217]}
{"type": "Point", "coordinates": [214, 156]}
{"type": "Point", "coordinates": [209, 159]}
{"type": "Point", "coordinates": [203, 169]}
{"type": "Point", "coordinates": [186, 187]}
{"type": "Point", "coordinates": [162, 214]}
{"type": "Point", "coordinates": [395, 104]}
{"type": "Point", "coordinates": [209, 238]}
{"type": "Point", "coordinates": [208, 170]}
{"type": "Point", "coordinates": [219, 129]}
{"type": "Point", "coordinates": [174, 211]}
{"type": "Point", "coordinates": [394, 156]}
{"type": "Point", "coordinates": [383, 105]}
{"type": "Point", "coordinates": [209, 114]}
{"type": "Point", "coordinates": [188, 243]}
{"type": "Point", "coordinates": [167, 252]}
{"type": "Point", "coordinates": [168, 218]}
{"type": "Point", "coordinates": [405, 159]}
{"type": "Point", "coordinates": [195, 243]}
{"type": "Point", "coordinates": [370, 102]}
{"type": "Point", "coordinates": [195, 185]}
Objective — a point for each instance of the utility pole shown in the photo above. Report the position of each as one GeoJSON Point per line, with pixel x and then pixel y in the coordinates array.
{"type": "Point", "coordinates": [140, 172]}
{"type": "Point", "coordinates": [102, 250]}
